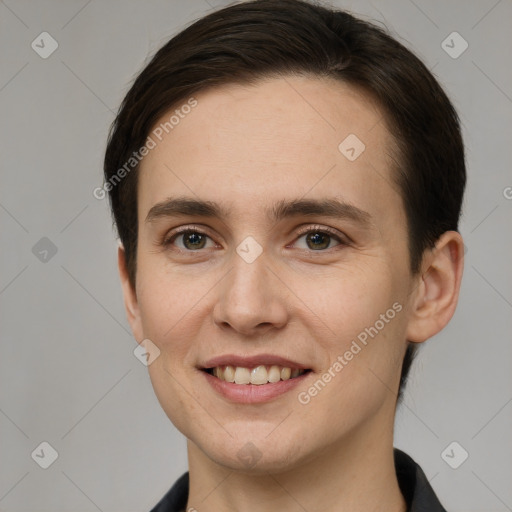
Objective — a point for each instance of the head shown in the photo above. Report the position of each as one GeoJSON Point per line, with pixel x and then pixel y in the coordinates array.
{"type": "Point", "coordinates": [255, 108]}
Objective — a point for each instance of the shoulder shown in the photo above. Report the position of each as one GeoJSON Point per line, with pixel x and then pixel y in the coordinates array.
{"type": "Point", "coordinates": [175, 500]}
{"type": "Point", "coordinates": [417, 491]}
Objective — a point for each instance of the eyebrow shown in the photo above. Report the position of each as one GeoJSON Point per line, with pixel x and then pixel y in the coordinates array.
{"type": "Point", "coordinates": [327, 207]}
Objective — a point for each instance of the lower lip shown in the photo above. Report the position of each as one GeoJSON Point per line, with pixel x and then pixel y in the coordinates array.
{"type": "Point", "coordinates": [253, 393]}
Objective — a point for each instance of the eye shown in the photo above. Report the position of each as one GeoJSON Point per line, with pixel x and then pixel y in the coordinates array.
{"type": "Point", "coordinates": [319, 238]}
{"type": "Point", "coordinates": [193, 239]}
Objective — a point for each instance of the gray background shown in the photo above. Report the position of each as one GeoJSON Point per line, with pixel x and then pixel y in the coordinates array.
{"type": "Point", "coordinates": [68, 375]}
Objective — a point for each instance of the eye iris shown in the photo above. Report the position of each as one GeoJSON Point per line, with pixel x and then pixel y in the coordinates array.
{"type": "Point", "coordinates": [317, 237]}
{"type": "Point", "coordinates": [195, 238]}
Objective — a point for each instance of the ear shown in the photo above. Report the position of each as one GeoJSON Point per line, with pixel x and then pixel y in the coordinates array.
{"type": "Point", "coordinates": [130, 296]}
{"type": "Point", "coordinates": [438, 288]}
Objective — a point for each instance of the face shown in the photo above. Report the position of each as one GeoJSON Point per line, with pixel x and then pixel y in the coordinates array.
{"type": "Point", "coordinates": [304, 266]}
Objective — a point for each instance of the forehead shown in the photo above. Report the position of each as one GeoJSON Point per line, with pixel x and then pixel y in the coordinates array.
{"type": "Point", "coordinates": [279, 137]}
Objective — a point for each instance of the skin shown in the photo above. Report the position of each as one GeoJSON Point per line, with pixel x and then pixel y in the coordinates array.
{"type": "Point", "coordinates": [247, 147]}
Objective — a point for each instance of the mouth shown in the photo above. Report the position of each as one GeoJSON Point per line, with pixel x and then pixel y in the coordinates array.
{"type": "Point", "coordinates": [257, 375]}
{"type": "Point", "coordinates": [253, 379]}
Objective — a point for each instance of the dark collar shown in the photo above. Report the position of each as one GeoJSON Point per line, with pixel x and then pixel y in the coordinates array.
{"type": "Point", "coordinates": [418, 493]}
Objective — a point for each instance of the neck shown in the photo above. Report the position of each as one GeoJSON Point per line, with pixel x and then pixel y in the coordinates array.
{"type": "Point", "coordinates": [357, 475]}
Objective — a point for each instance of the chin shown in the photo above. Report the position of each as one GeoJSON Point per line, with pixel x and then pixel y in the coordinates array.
{"type": "Point", "coordinates": [251, 460]}
{"type": "Point", "coordinates": [255, 453]}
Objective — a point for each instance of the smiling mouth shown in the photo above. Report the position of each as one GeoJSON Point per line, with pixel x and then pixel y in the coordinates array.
{"type": "Point", "coordinates": [258, 375]}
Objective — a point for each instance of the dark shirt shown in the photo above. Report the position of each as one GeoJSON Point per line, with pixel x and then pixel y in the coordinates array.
{"type": "Point", "coordinates": [418, 493]}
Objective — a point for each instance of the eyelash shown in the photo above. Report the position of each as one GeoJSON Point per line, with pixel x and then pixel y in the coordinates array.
{"type": "Point", "coordinates": [169, 239]}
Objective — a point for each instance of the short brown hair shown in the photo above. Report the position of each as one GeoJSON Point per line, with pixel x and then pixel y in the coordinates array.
{"type": "Point", "coordinates": [245, 42]}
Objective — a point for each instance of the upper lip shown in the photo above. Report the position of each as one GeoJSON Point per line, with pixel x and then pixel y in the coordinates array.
{"type": "Point", "coordinates": [252, 361]}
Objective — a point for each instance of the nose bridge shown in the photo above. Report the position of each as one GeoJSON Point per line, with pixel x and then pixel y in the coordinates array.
{"type": "Point", "coordinates": [247, 284]}
{"type": "Point", "coordinates": [249, 262]}
{"type": "Point", "coordinates": [248, 297]}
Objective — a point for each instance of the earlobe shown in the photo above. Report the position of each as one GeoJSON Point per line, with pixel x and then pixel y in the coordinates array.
{"type": "Point", "coordinates": [130, 297]}
{"type": "Point", "coordinates": [438, 289]}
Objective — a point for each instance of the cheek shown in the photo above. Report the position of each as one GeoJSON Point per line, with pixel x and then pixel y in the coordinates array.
{"type": "Point", "coordinates": [166, 314]}
{"type": "Point", "coordinates": [364, 318]}
{"type": "Point", "coordinates": [164, 300]}
{"type": "Point", "coordinates": [361, 376]}
{"type": "Point", "coordinates": [349, 299]}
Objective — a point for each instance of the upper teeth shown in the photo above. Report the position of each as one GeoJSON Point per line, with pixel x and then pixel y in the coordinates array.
{"type": "Point", "coordinates": [258, 375]}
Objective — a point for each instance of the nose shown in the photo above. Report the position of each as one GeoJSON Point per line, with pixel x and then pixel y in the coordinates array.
{"type": "Point", "coordinates": [251, 298]}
